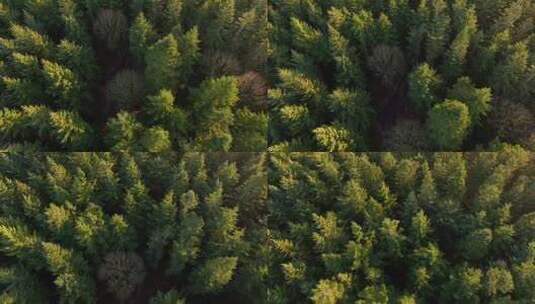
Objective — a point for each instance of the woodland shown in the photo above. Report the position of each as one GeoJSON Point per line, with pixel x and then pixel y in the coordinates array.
{"type": "Point", "coordinates": [414, 228]}
{"type": "Point", "coordinates": [141, 75]}
{"type": "Point", "coordinates": [278, 228]}
{"type": "Point", "coordinates": [267, 151]}
{"type": "Point", "coordinates": [401, 75]}
{"type": "Point", "coordinates": [132, 228]}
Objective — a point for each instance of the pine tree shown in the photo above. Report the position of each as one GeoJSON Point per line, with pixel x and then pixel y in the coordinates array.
{"type": "Point", "coordinates": [456, 55]}
{"type": "Point", "coordinates": [450, 175]}
{"type": "Point", "coordinates": [509, 77]}
{"type": "Point", "coordinates": [296, 118]}
{"type": "Point", "coordinates": [249, 131]}
{"type": "Point", "coordinates": [213, 275]}
{"type": "Point", "coordinates": [374, 294]}
{"type": "Point", "coordinates": [438, 28]}
{"type": "Point", "coordinates": [352, 109]}
{"type": "Point", "coordinates": [307, 39]}
{"type": "Point", "coordinates": [477, 100]}
{"type": "Point", "coordinates": [465, 285]}
{"type": "Point", "coordinates": [498, 281]}
{"type": "Point", "coordinates": [348, 69]}
{"type": "Point", "coordinates": [23, 286]}
{"type": "Point", "coordinates": [216, 98]}
{"type": "Point", "coordinates": [334, 139]}
{"type": "Point", "coordinates": [64, 129]}
{"type": "Point", "coordinates": [70, 130]}
{"type": "Point", "coordinates": [328, 291]}
{"type": "Point", "coordinates": [186, 247]}
{"type": "Point", "coordinates": [190, 52]}
{"type": "Point", "coordinates": [427, 193]}
{"type": "Point", "coordinates": [122, 132]}
{"type": "Point", "coordinates": [524, 275]}
{"type": "Point", "coordinates": [424, 86]}
{"type": "Point", "coordinates": [141, 35]}
{"type": "Point", "coordinates": [154, 139]}
{"type": "Point", "coordinates": [161, 110]}
{"type": "Point", "coordinates": [62, 84]}
{"type": "Point", "coordinates": [476, 245]}
{"type": "Point", "coordinates": [71, 272]}
{"type": "Point", "coordinates": [18, 241]}
{"type": "Point", "coordinates": [29, 41]}
{"type": "Point", "coordinates": [161, 60]}
{"type": "Point", "coordinates": [19, 91]}
{"type": "Point", "coordinates": [297, 86]}
{"type": "Point", "coordinates": [78, 58]}
{"type": "Point", "coordinates": [448, 124]}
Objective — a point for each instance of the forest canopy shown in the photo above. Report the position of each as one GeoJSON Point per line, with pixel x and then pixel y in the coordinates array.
{"type": "Point", "coordinates": [400, 75]}
{"type": "Point", "coordinates": [132, 228]}
{"type": "Point", "coordinates": [321, 228]}
{"type": "Point", "coordinates": [413, 228]}
{"type": "Point", "coordinates": [110, 75]}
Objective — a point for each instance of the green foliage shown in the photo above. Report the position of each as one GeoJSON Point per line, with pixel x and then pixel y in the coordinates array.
{"type": "Point", "coordinates": [62, 129]}
{"type": "Point", "coordinates": [62, 84]}
{"type": "Point", "coordinates": [249, 132]}
{"type": "Point", "coordinates": [398, 228]}
{"type": "Point", "coordinates": [162, 59]}
{"type": "Point", "coordinates": [448, 124]}
{"type": "Point", "coordinates": [477, 100]}
{"type": "Point", "coordinates": [213, 275]}
{"type": "Point", "coordinates": [424, 84]}
{"type": "Point", "coordinates": [96, 227]}
{"type": "Point", "coordinates": [71, 272]}
{"type": "Point", "coordinates": [333, 138]}
{"type": "Point", "coordinates": [476, 245]}
{"type": "Point", "coordinates": [328, 291]}
{"type": "Point", "coordinates": [216, 97]}
{"type": "Point", "coordinates": [407, 56]}
{"type": "Point", "coordinates": [96, 59]}
{"type": "Point", "coordinates": [140, 36]}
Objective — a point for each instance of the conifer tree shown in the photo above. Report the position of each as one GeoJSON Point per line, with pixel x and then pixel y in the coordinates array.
{"type": "Point", "coordinates": [217, 97]}
{"type": "Point", "coordinates": [96, 59]}
{"type": "Point", "coordinates": [162, 60]}
{"type": "Point", "coordinates": [448, 124]}
{"type": "Point", "coordinates": [407, 56]}
{"type": "Point", "coordinates": [477, 100]}
{"type": "Point", "coordinates": [213, 275]}
{"type": "Point", "coordinates": [62, 84]}
{"type": "Point", "coordinates": [424, 85]}
{"type": "Point", "coordinates": [329, 228]}
{"type": "Point", "coordinates": [140, 36]}
{"type": "Point", "coordinates": [84, 221]}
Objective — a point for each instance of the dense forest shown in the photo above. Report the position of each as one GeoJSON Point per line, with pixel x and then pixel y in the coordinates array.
{"type": "Point", "coordinates": [132, 228]}
{"type": "Point", "coordinates": [322, 228]}
{"type": "Point", "coordinates": [401, 75]}
{"type": "Point", "coordinates": [141, 75]}
{"type": "Point", "coordinates": [413, 228]}
{"type": "Point", "coordinates": [267, 151]}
